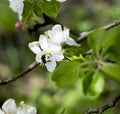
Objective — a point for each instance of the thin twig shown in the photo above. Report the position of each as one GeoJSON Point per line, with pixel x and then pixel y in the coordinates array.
{"type": "Point", "coordinates": [105, 107]}
{"type": "Point", "coordinates": [84, 35]}
{"type": "Point", "coordinates": [19, 75]}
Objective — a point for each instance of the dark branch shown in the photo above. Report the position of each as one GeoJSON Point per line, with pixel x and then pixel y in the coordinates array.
{"type": "Point", "coordinates": [84, 35]}
{"type": "Point", "coordinates": [49, 21]}
{"type": "Point", "coordinates": [104, 108]}
{"type": "Point", "coordinates": [19, 75]}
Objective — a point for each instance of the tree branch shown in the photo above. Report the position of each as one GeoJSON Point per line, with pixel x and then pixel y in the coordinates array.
{"type": "Point", "coordinates": [49, 21]}
{"type": "Point", "coordinates": [104, 108]}
{"type": "Point", "coordinates": [19, 75]}
{"type": "Point", "coordinates": [84, 35]}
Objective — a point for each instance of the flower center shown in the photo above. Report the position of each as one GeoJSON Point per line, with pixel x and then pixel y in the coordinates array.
{"type": "Point", "coordinates": [45, 58]}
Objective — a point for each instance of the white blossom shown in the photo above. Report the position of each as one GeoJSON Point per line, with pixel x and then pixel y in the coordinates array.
{"type": "Point", "coordinates": [47, 52]}
{"type": "Point", "coordinates": [17, 6]}
{"type": "Point", "coordinates": [48, 48]}
{"type": "Point", "coordinates": [59, 36]}
{"type": "Point", "coordinates": [9, 107]}
{"type": "Point", "coordinates": [61, 0]}
{"type": "Point", "coordinates": [26, 109]}
{"type": "Point", "coordinates": [57, 0]}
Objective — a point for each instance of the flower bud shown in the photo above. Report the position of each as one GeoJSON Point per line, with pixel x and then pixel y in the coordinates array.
{"type": "Point", "coordinates": [18, 25]}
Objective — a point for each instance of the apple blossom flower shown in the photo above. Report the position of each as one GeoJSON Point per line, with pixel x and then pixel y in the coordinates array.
{"type": "Point", "coordinates": [59, 36]}
{"type": "Point", "coordinates": [47, 53]}
{"type": "Point", "coordinates": [17, 6]}
{"type": "Point", "coordinates": [9, 107]}
{"type": "Point", "coordinates": [48, 48]}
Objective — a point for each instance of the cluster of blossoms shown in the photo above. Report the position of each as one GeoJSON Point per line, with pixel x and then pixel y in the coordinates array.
{"type": "Point", "coordinates": [9, 107]}
{"type": "Point", "coordinates": [17, 6]}
{"type": "Point", "coordinates": [48, 49]}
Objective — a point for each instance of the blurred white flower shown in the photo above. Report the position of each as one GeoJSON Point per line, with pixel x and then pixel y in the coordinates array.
{"type": "Point", "coordinates": [59, 36]}
{"type": "Point", "coordinates": [61, 0]}
{"type": "Point", "coordinates": [9, 107]}
{"type": "Point", "coordinates": [26, 109]}
{"type": "Point", "coordinates": [47, 53]}
{"type": "Point", "coordinates": [57, 0]}
{"type": "Point", "coordinates": [1, 112]}
{"type": "Point", "coordinates": [17, 6]}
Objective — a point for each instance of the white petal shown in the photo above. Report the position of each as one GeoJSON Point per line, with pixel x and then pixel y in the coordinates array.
{"type": "Point", "coordinates": [20, 111]}
{"type": "Point", "coordinates": [43, 42]}
{"type": "Point", "coordinates": [38, 58]}
{"type": "Point", "coordinates": [31, 110]}
{"type": "Point", "coordinates": [66, 32]}
{"type": "Point", "coordinates": [17, 6]}
{"type": "Point", "coordinates": [56, 34]}
{"type": "Point", "coordinates": [54, 47]}
{"type": "Point", "coordinates": [71, 42]}
{"type": "Point", "coordinates": [58, 56]}
{"type": "Point", "coordinates": [9, 106]}
{"type": "Point", "coordinates": [34, 47]}
{"type": "Point", "coordinates": [59, 37]}
{"type": "Point", "coordinates": [56, 28]}
{"type": "Point", "coordinates": [61, 0]}
{"type": "Point", "coordinates": [1, 112]}
{"type": "Point", "coordinates": [51, 65]}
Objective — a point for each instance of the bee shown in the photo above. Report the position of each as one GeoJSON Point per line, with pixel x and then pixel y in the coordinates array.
{"type": "Point", "coordinates": [44, 59]}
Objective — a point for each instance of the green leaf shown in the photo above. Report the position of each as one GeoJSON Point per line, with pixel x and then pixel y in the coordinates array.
{"type": "Point", "coordinates": [87, 79]}
{"type": "Point", "coordinates": [49, 8]}
{"type": "Point", "coordinates": [66, 73]}
{"type": "Point", "coordinates": [73, 50]}
{"type": "Point", "coordinates": [93, 84]}
{"type": "Point", "coordinates": [95, 40]}
{"type": "Point", "coordinates": [112, 70]}
{"type": "Point", "coordinates": [111, 37]}
{"type": "Point", "coordinates": [8, 18]}
{"type": "Point", "coordinates": [77, 58]}
{"type": "Point", "coordinates": [27, 11]}
{"type": "Point", "coordinates": [37, 9]}
{"type": "Point", "coordinates": [112, 44]}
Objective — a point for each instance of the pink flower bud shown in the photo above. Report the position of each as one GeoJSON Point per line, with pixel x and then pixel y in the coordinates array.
{"type": "Point", "coordinates": [18, 25]}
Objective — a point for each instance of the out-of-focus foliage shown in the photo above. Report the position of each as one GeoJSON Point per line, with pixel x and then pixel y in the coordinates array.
{"type": "Point", "coordinates": [37, 88]}
{"type": "Point", "coordinates": [38, 8]}
{"type": "Point", "coordinates": [7, 18]}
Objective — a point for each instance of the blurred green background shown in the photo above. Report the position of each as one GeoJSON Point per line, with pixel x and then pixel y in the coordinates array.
{"type": "Point", "coordinates": [36, 88]}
